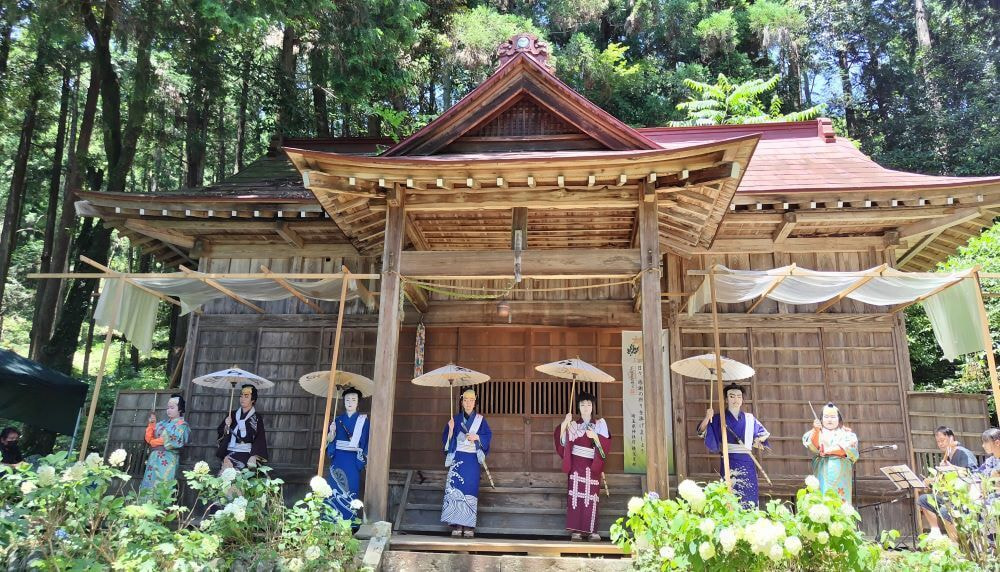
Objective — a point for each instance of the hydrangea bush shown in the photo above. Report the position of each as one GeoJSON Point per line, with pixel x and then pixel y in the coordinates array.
{"type": "Point", "coordinates": [708, 528]}
{"type": "Point", "coordinates": [64, 515]}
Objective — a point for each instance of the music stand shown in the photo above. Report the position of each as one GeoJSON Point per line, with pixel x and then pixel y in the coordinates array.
{"type": "Point", "coordinates": [903, 478]}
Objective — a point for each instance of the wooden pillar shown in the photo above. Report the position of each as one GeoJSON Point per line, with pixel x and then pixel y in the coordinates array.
{"type": "Point", "coordinates": [380, 443]}
{"type": "Point", "coordinates": [675, 283]}
{"type": "Point", "coordinates": [657, 461]}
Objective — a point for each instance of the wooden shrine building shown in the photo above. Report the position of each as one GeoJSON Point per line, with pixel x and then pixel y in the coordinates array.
{"type": "Point", "coordinates": [525, 225]}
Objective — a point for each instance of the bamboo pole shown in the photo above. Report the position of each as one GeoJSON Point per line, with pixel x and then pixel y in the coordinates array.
{"type": "Point", "coordinates": [718, 379]}
{"type": "Point", "coordinates": [100, 370]}
{"type": "Point", "coordinates": [984, 318]}
{"type": "Point", "coordinates": [288, 287]}
{"type": "Point", "coordinates": [771, 289]}
{"type": "Point", "coordinates": [191, 274]}
{"type": "Point", "coordinates": [201, 275]}
{"type": "Point", "coordinates": [331, 382]}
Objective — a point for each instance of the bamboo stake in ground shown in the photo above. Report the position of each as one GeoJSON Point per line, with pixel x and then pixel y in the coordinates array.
{"type": "Point", "coordinates": [718, 378]}
{"type": "Point", "coordinates": [331, 383]}
{"type": "Point", "coordinates": [100, 370]}
{"type": "Point", "coordinates": [984, 318]}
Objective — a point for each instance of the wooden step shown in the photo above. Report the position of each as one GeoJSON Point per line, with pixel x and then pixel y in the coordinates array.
{"type": "Point", "coordinates": [427, 543]}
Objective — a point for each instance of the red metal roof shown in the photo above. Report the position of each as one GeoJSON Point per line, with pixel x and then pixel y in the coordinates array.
{"type": "Point", "coordinates": [806, 157]}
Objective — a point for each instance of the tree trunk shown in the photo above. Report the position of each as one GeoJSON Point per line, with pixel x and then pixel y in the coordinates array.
{"type": "Point", "coordinates": [318, 71]}
{"type": "Point", "coordinates": [220, 171]}
{"type": "Point", "coordinates": [241, 114]}
{"type": "Point", "coordinates": [18, 179]}
{"type": "Point", "coordinates": [6, 28]}
{"type": "Point", "coordinates": [923, 30]}
{"type": "Point", "coordinates": [178, 339]}
{"type": "Point", "coordinates": [48, 305]}
{"type": "Point", "coordinates": [52, 210]}
{"type": "Point", "coordinates": [844, 70]}
{"type": "Point", "coordinates": [286, 81]}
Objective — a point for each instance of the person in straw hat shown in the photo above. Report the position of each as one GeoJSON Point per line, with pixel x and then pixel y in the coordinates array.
{"type": "Point", "coordinates": [583, 446]}
{"type": "Point", "coordinates": [466, 440]}
{"type": "Point", "coordinates": [745, 432]}
{"type": "Point", "coordinates": [242, 441]}
{"type": "Point", "coordinates": [348, 453]}
{"type": "Point", "coordinates": [835, 450]}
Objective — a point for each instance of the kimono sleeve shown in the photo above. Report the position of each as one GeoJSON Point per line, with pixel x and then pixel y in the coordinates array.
{"type": "Point", "coordinates": [560, 446]}
{"type": "Point", "coordinates": [363, 445]}
{"type": "Point", "coordinates": [445, 441]}
{"type": "Point", "coordinates": [811, 440]}
{"type": "Point", "coordinates": [151, 439]}
{"type": "Point", "coordinates": [176, 436]}
{"type": "Point", "coordinates": [259, 446]}
{"type": "Point", "coordinates": [712, 439]}
{"type": "Point", "coordinates": [485, 436]}
{"type": "Point", "coordinates": [759, 432]}
{"type": "Point", "coordinates": [597, 465]}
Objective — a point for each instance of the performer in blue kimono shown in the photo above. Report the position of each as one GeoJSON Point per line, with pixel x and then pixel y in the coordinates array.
{"type": "Point", "coordinates": [744, 432]}
{"type": "Point", "coordinates": [466, 440]}
{"type": "Point", "coordinates": [835, 450]}
{"type": "Point", "coordinates": [348, 453]}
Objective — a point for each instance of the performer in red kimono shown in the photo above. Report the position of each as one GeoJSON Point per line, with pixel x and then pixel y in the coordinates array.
{"type": "Point", "coordinates": [583, 446]}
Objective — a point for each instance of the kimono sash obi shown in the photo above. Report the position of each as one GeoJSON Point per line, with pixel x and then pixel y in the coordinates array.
{"type": "Point", "coordinates": [462, 444]}
{"type": "Point", "coordinates": [748, 436]}
{"type": "Point", "coordinates": [355, 443]}
{"type": "Point", "coordinates": [240, 431]}
{"type": "Point", "coordinates": [585, 452]}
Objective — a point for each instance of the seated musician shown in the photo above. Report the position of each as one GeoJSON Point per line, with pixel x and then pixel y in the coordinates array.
{"type": "Point", "coordinates": [242, 442]}
{"type": "Point", "coordinates": [984, 476]}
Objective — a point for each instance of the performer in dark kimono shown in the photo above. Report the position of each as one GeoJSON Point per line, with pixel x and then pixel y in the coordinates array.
{"type": "Point", "coordinates": [583, 446]}
{"type": "Point", "coordinates": [744, 432]}
{"type": "Point", "coordinates": [348, 452]}
{"type": "Point", "coordinates": [242, 442]}
{"type": "Point", "coordinates": [466, 440]}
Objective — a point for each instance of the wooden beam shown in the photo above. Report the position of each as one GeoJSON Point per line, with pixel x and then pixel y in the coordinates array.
{"type": "Point", "coordinates": [876, 272]}
{"type": "Point", "coordinates": [216, 250]}
{"type": "Point", "coordinates": [504, 199]}
{"type": "Point", "coordinates": [702, 322]}
{"type": "Point", "coordinates": [224, 290]}
{"type": "Point", "coordinates": [788, 222]}
{"type": "Point", "coordinates": [984, 320]}
{"type": "Point", "coordinates": [318, 181]}
{"type": "Point", "coordinates": [770, 289]}
{"type": "Point", "coordinates": [285, 231]}
{"type": "Point", "coordinates": [284, 284]}
{"type": "Point", "coordinates": [386, 350]}
{"type": "Point", "coordinates": [929, 226]}
{"type": "Point", "coordinates": [519, 223]}
{"type": "Point", "coordinates": [417, 238]}
{"type": "Point", "coordinates": [817, 244]}
{"type": "Point", "coordinates": [705, 176]}
{"type": "Point", "coordinates": [138, 285]}
{"type": "Point", "coordinates": [164, 236]}
{"type": "Point", "coordinates": [655, 384]}
{"type": "Point", "coordinates": [548, 264]}
{"type": "Point", "coordinates": [609, 313]}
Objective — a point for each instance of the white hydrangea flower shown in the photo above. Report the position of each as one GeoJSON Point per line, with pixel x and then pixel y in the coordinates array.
{"type": "Point", "coordinates": [848, 510]}
{"type": "Point", "coordinates": [706, 550]}
{"type": "Point", "coordinates": [667, 553]}
{"type": "Point", "coordinates": [210, 544]}
{"type": "Point", "coordinates": [201, 468]}
{"type": "Point", "coordinates": [229, 475]}
{"type": "Point", "coordinates": [320, 487]}
{"type": "Point", "coordinates": [28, 487]}
{"type": "Point", "coordinates": [313, 552]}
{"type": "Point", "coordinates": [74, 473]}
{"type": "Point", "coordinates": [94, 460]}
{"type": "Point", "coordinates": [776, 553]}
{"type": "Point", "coordinates": [793, 545]}
{"type": "Point", "coordinates": [819, 513]}
{"type": "Point", "coordinates": [635, 505]}
{"type": "Point", "coordinates": [822, 537]}
{"type": "Point", "coordinates": [357, 505]}
{"type": "Point", "coordinates": [688, 489]}
{"type": "Point", "coordinates": [117, 457]}
{"type": "Point", "coordinates": [728, 539]}
{"type": "Point", "coordinates": [642, 543]}
{"type": "Point", "coordinates": [812, 483]}
{"type": "Point", "coordinates": [46, 475]}
{"type": "Point", "coordinates": [707, 526]}
{"type": "Point", "coordinates": [239, 514]}
{"type": "Point", "coordinates": [936, 557]}
{"type": "Point", "coordinates": [837, 529]}
{"type": "Point", "coordinates": [295, 564]}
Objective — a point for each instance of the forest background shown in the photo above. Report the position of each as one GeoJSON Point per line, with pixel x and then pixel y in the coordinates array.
{"type": "Point", "coordinates": [154, 95]}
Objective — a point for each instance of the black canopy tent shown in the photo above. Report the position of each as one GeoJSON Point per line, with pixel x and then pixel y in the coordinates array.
{"type": "Point", "coordinates": [38, 395]}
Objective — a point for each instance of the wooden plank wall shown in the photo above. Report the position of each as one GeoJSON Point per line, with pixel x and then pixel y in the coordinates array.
{"type": "Point", "coordinates": [521, 441]}
{"type": "Point", "coordinates": [967, 414]}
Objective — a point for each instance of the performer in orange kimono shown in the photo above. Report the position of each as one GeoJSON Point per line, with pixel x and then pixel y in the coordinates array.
{"type": "Point", "coordinates": [583, 446]}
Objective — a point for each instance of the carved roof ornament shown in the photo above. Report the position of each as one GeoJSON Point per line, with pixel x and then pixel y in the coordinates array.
{"type": "Point", "coordinates": [537, 49]}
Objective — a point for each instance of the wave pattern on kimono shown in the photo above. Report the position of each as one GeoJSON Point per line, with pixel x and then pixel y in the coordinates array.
{"type": "Point", "coordinates": [583, 464]}
{"type": "Point", "coordinates": [462, 457]}
{"type": "Point", "coordinates": [166, 437]}
{"type": "Point", "coordinates": [348, 454]}
{"type": "Point", "coordinates": [835, 452]}
{"type": "Point", "coordinates": [746, 428]}
{"type": "Point", "coordinates": [246, 438]}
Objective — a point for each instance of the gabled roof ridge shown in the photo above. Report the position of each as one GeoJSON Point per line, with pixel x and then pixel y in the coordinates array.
{"type": "Point", "coordinates": [521, 61]}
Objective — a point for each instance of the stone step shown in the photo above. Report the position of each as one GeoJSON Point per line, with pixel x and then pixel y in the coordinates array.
{"type": "Point", "coordinates": [404, 561]}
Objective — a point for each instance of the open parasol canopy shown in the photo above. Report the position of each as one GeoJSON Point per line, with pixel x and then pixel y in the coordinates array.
{"type": "Point", "coordinates": [576, 369]}
{"type": "Point", "coordinates": [449, 376]}
{"type": "Point", "coordinates": [230, 378]}
{"type": "Point", "coordinates": [703, 367]}
{"type": "Point", "coordinates": [317, 383]}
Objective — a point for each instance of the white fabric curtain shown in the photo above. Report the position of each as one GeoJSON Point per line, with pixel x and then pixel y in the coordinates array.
{"type": "Point", "coordinates": [137, 315]}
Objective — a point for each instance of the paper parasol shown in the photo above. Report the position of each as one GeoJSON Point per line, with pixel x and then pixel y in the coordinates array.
{"type": "Point", "coordinates": [577, 370]}
{"type": "Point", "coordinates": [703, 367]}
{"type": "Point", "coordinates": [230, 378]}
{"type": "Point", "coordinates": [450, 376]}
{"type": "Point", "coordinates": [317, 382]}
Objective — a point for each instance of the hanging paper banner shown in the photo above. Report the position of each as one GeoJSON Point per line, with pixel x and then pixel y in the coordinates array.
{"type": "Point", "coordinates": [633, 402]}
{"type": "Point", "coordinates": [418, 350]}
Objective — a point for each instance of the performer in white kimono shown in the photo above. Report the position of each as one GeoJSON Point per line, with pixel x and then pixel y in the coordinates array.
{"type": "Point", "coordinates": [466, 440]}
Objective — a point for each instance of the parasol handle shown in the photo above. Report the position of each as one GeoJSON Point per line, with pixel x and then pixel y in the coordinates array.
{"type": "Point", "coordinates": [572, 396]}
{"type": "Point", "coordinates": [232, 395]}
{"type": "Point", "coordinates": [332, 435]}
